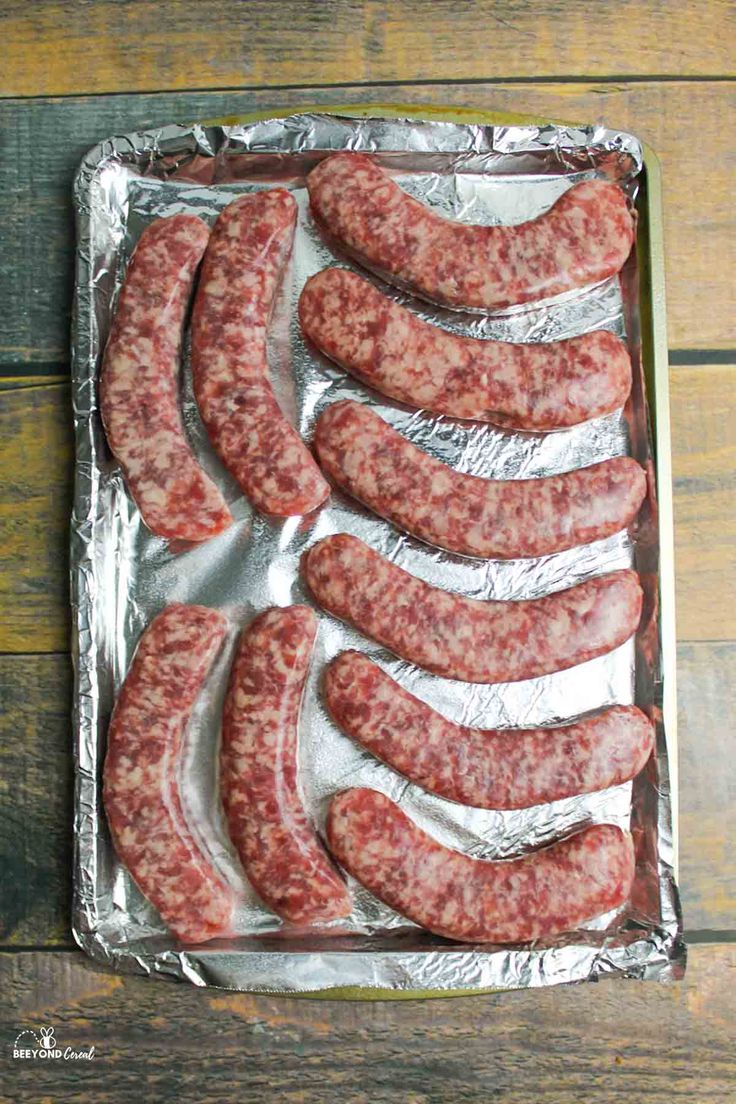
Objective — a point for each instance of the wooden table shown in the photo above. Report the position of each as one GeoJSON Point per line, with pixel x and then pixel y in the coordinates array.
{"type": "Point", "coordinates": [75, 72]}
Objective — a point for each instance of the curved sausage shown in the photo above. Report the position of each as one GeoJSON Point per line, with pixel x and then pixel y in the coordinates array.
{"type": "Point", "coordinates": [487, 768]}
{"type": "Point", "coordinates": [139, 385]}
{"type": "Point", "coordinates": [141, 778]}
{"type": "Point", "coordinates": [584, 237]}
{"type": "Point", "coordinates": [278, 846]}
{"type": "Point", "coordinates": [463, 513]}
{"type": "Point", "coordinates": [242, 268]}
{"type": "Point", "coordinates": [474, 900]}
{"type": "Point", "coordinates": [532, 387]}
{"type": "Point", "coordinates": [463, 638]}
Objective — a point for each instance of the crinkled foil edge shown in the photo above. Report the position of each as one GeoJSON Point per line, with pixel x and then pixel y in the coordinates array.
{"type": "Point", "coordinates": [660, 954]}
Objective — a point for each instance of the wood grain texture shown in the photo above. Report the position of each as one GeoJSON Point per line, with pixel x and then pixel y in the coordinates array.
{"type": "Point", "coordinates": [698, 165]}
{"type": "Point", "coordinates": [601, 1044]}
{"type": "Point", "coordinates": [704, 466]}
{"type": "Point", "coordinates": [36, 799]}
{"type": "Point", "coordinates": [35, 502]}
{"type": "Point", "coordinates": [706, 690]}
{"type": "Point", "coordinates": [145, 46]}
{"type": "Point", "coordinates": [604, 1044]}
{"type": "Point", "coordinates": [35, 478]}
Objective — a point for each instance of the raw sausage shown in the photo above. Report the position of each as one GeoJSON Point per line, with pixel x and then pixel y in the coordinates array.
{"type": "Point", "coordinates": [533, 387]}
{"type": "Point", "coordinates": [488, 768]}
{"type": "Point", "coordinates": [141, 783]}
{"type": "Point", "coordinates": [473, 900]}
{"type": "Point", "coordinates": [242, 268]}
{"type": "Point", "coordinates": [463, 638]}
{"type": "Point", "coordinates": [584, 237]}
{"type": "Point", "coordinates": [278, 846]}
{"type": "Point", "coordinates": [139, 387]}
{"type": "Point", "coordinates": [463, 513]}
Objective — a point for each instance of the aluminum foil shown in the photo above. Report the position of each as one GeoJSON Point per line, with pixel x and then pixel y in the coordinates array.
{"type": "Point", "coordinates": [122, 575]}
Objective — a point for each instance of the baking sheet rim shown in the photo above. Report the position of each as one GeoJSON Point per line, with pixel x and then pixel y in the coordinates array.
{"type": "Point", "coordinates": [656, 374]}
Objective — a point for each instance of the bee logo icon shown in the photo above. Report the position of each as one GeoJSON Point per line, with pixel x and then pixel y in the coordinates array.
{"type": "Point", "coordinates": [47, 1040]}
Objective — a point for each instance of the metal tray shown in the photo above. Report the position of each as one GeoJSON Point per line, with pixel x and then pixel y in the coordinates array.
{"type": "Point", "coordinates": [111, 553]}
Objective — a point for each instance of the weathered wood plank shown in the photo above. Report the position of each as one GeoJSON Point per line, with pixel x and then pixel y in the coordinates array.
{"type": "Point", "coordinates": [703, 410]}
{"type": "Point", "coordinates": [35, 500]}
{"type": "Point", "coordinates": [35, 797]}
{"type": "Point", "coordinates": [35, 455]}
{"type": "Point", "coordinates": [607, 1043]}
{"type": "Point", "coordinates": [45, 139]}
{"type": "Point", "coordinates": [146, 47]}
{"type": "Point", "coordinates": [706, 695]}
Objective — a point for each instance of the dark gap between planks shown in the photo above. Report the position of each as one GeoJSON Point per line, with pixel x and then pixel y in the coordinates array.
{"type": "Point", "coordinates": [417, 82]}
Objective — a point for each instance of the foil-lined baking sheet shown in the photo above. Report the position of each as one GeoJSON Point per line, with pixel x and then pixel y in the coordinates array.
{"type": "Point", "coordinates": [122, 575]}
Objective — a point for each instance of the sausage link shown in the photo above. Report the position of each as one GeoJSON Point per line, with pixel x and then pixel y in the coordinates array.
{"type": "Point", "coordinates": [463, 638]}
{"type": "Point", "coordinates": [473, 900]}
{"type": "Point", "coordinates": [242, 268]}
{"type": "Point", "coordinates": [583, 238]}
{"type": "Point", "coordinates": [278, 846]}
{"type": "Point", "coordinates": [532, 386]}
{"type": "Point", "coordinates": [139, 387]}
{"type": "Point", "coordinates": [141, 779]}
{"type": "Point", "coordinates": [466, 514]}
{"type": "Point", "coordinates": [487, 768]}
